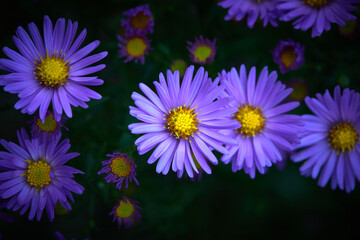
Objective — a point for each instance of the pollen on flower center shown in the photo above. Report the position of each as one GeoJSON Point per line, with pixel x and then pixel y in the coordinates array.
{"type": "Point", "coordinates": [49, 124]}
{"type": "Point", "coordinates": [316, 3]}
{"type": "Point", "coordinates": [182, 122]}
{"type": "Point", "coordinates": [136, 47]}
{"type": "Point", "coordinates": [288, 57]}
{"type": "Point", "coordinates": [38, 173]}
{"type": "Point", "coordinates": [52, 71]}
{"type": "Point", "coordinates": [343, 136]}
{"type": "Point", "coordinates": [121, 167]}
{"type": "Point", "coordinates": [202, 52]}
{"type": "Point", "coordinates": [125, 209]}
{"type": "Point", "coordinates": [139, 21]}
{"type": "Point", "coordinates": [251, 119]}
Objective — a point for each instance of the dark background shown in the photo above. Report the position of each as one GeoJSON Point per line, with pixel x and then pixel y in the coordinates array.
{"type": "Point", "coordinates": [279, 204]}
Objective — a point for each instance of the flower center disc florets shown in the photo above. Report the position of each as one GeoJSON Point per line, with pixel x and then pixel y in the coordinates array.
{"type": "Point", "coordinates": [49, 124]}
{"type": "Point", "coordinates": [121, 166]}
{"type": "Point", "coordinates": [182, 122]}
{"type": "Point", "coordinates": [316, 3]}
{"type": "Point", "coordinates": [125, 209]}
{"type": "Point", "coordinates": [38, 173]}
{"type": "Point", "coordinates": [202, 53]}
{"type": "Point", "coordinates": [343, 136]}
{"type": "Point", "coordinates": [139, 21]}
{"type": "Point", "coordinates": [251, 120]}
{"type": "Point", "coordinates": [288, 56]}
{"type": "Point", "coordinates": [136, 47]}
{"type": "Point", "coordinates": [52, 71]}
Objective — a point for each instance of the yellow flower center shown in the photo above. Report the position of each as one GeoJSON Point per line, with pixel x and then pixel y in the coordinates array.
{"type": "Point", "coordinates": [49, 124]}
{"type": "Point", "coordinates": [316, 3]}
{"type": "Point", "coordinates": [52, 71]}
{"type": "Point", "coordinates": [38, 173]}
{"type": "Point", "coordinates": [288, 56]}
{"type": "Point", "coordinates": [251, 119]}
{"type": "Point", "coordinates": [343, 136]}
{"type": "Point", "coordinates": [125, 209]}
{"type": "Point", "coordinates": [182, 122]}
{"type": "Point", "coordinates": [179, 65]}
{"type": "Point", "coordinates": [121, 166]}
{"type": "Point", "coordinates": [139, 21]}
{"type": "Point", "coordinates": [202, 53]}
{"type": "Point", "coordinates": [136, 47]}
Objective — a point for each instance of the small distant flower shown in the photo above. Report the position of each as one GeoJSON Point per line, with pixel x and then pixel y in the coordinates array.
{"type": "Point", "coordinates": [59, 236]}
{"type": "Point", "coordinates": [202, 51]}
{"type": "Point", "coordinates": [119, 168]}
{"type": "Point", "coordinates": [300, 89]}
{"type": "Point", "coordinates": [265, 9]}
{"type": "Point", "coordinates": [179, 65]}
{"type": "Point", "coordinates": [180, 120]}
{"type": "Point", "coordinates": [126, 212]}
{"type": "Point", "coordinates": [36, 177]}
{"type": "Point", "coordinates": [330, 139]}
{"type": "Point", "coordinates": [51, 69]}
{"type": "Point", "coordinates": [267, 132]}
{"type": "Point", "coordinates": [139, 19]}
{"type": "Point", "coordinates": [350, 29]}
{"type": "Point", "coordinates": [317, 14]}
{"type": "Point", "coordinates": [47, 129]}
{"type": "Point", "coordinates": [289, 55]}
{"type": "Point", "coordinates": [134, 46]}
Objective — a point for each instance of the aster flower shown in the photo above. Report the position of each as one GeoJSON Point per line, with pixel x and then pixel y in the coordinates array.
{"type": "Point", "coordinates": [317, 14]}
{"type": "Point", "coordinates": [139, 19]}
{"type": "Point", "coordinates": [289, 55]}
{"type": "Point", "coordinates": [51, 70]}
{"type": "Point", "coordinates": [126, 212]}
{"type": "Point", "coordinates": [265, 9]}
{"type": "Point", "coordinates": [47, 129]}
{"type": "Point", "coordinates": [267, 132]}
{"type": "Point", "coordinates": [36, 177]}
{"type": "Point", "coordinates": [181, 120]}
{"type": "Point", "coordinates": [202, 50]}
{"type": "Point", "coordinates": [179, 65]}
{"type": "Point", "coordinates": [119, 168]}
{"type": "Point", "coordinates": [330, 146]}
{"type": "Point", "coordinates": [134, 46]}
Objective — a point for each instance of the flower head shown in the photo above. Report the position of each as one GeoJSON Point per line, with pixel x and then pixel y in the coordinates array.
{"type": "Point", "coordinates": [267, 132]}
{"type": "Point", "coordinates": [179, 65]}
{"type": "Point", "coordinates": [330, 140]}
{"type": "Point", "coordinates": [119, 168]}
{"type": "Point", "coordinates": [139, 19]}
{"type": "Point", "coordinates": [36, 177]}
{"type": "Point", "coordinates": [126, 212]}
{"type": "Point", "coordinates": [51, 69]}
{"type": "Point", "coordinates": [134, 46]}
{"type": "Point", "coordinates": [202, 50]}
{"type": "Point", "coordinates": [182, 119]}
{"type": "Point", "coordinates": [265, 9]}
{"type": "Point", "coordinates": [289, 55]}
{"type": "Point", "coordinates": [317, 14]}
{"type": "Point", "coordinates": [50, 128]}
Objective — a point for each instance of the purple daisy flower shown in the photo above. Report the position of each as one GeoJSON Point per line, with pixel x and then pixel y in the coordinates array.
{"type": "Point", "coordinates": [289, 55]}
{"type": "Point", "coordinates": [317, 14]}
{"type": "Point", "coordinates": [126, 212]}
{"type": "Point", "coordinates": [202, 50]}
{"type": "Point", "coordinates": [51, 70]}
{"type": "Point", "coordinates": [36, 177]}
{"type": "Point", "coordinates": [119, 168]}
{"type": "Point", "coordinates": [267, 133]}
{"type": "Point", "coordinates": [134, 46]}
{"type": "Point", "coordinates": [330, 142]}
{"type": "Point", "coordinates": [139, 19]}
{"type": "Point", "coordinates": [49, 128]}
{"type": "Point", "coordinates": [238, 9]}
{"type": "Point", "coordinates": [181, 120]}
